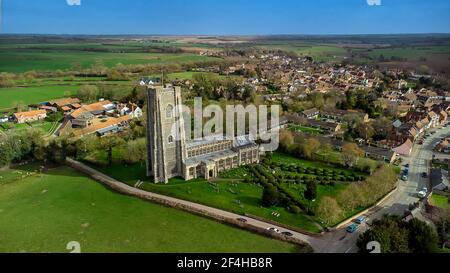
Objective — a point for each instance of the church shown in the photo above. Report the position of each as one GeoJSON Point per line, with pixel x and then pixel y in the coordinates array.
{"type": "Point", "coordinates": [170, 154]}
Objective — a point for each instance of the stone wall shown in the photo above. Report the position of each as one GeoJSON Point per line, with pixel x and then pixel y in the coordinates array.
{"type": "Point", "coordinates": [178, 204]}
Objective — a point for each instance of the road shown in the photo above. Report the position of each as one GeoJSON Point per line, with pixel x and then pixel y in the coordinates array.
{"type": "Point", "coordinates": [336, 241]}
{"type": "Point", "coordinates": [340, 241]}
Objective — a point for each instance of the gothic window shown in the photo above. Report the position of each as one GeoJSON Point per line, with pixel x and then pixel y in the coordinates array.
{"type": "Point", "coordinates": [170, 139]}
{"type": "Point", "coordinates": [169, 111]}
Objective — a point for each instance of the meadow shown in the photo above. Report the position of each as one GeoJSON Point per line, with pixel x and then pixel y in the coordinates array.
{"type": "Point", "coordinates": [320, 52]}
{"type": "Point", "coordinates": [19, 61]}
{"type": "Point", "coordinates": [30, 95]}
{"type": "Point", "coordinates": [409, 53]}
{"type": "Point", "coordinates": [46, 211]}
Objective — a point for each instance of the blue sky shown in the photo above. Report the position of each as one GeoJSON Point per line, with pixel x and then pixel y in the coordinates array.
{"type": "Point", "coordinates": [225, 17]}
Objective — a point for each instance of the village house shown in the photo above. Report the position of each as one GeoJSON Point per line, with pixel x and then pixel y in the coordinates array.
{"type": "Point", "coordinates": [439, 179]}
{"type": "Point", "coordinates": [65, 105]}
{"type": "Point", "coordinates": [98, 108]}
{"type": "Point", "coordinates": [376, 153]}
{"type": "Point", "coordinates": [129, 109]}
{"type": "Point", "coordinates": [30, 116]}
{"type": "Point", "coordinates": [340, 115]}
{"type": "Point", "coordinates": [310, 113]}
{"type": "Point", "coordinates": [329, 127]}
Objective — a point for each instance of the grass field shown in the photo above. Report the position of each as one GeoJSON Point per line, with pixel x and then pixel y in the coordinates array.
{"type": "Point", "coordinates": [410, 53]}
{"type": "Point", "coordinates": [26, 60]}
{"type": "Point", "coordinates": [29, 95]}
{"type": "Point", "coordinates": [317, 51]}
{"type": "Point", "coordinates": [42, 213]}
{"type": "Point", "coordinates": [235, 196]}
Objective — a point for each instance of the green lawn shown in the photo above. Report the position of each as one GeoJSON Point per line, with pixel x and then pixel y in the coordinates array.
{"type": "Point", "coordinates": [285, 158]}
{"type": "Point", "coordinates": [440, 201]}
{"type": "Point", "coordinates": [42, 213]}
{"type": "Point", "coordinates": [235, 196]}
{"type": "Point", "coordinates": [305, 129]}
{"type": "Point", "coordinates": [29, 95]}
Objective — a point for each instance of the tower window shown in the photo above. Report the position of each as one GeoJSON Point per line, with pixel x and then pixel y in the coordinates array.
{"type": "Point", "coordinates": [169, 111]}
{"type": "Point", "coordinates": [170, 139]}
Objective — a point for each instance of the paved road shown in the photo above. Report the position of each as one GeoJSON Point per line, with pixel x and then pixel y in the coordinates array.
{"type": "Point", "coordinates": [337, 241]}
{"type": "Point", "coordinates": [341, 242]}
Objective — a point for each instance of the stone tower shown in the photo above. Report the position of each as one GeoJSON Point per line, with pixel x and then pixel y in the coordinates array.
{"type": "Point", "coordinates": [165, 133]}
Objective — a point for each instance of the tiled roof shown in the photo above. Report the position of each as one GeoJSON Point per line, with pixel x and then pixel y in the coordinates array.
{"type": "Point", "coordinates": [98, 106]}
{"type": "Point", "coordinates": [29, 113]}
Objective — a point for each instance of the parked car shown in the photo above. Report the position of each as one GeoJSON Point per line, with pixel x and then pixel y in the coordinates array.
{"type": "Point", "coordinates": [273, 229]}
{"type": "Point", "coordinates": [404, 178]}
{"type": "Point", "coordinates": [352, 228]}
{"type": "Point", "coordinates": [243, 220]}
{"type": "Point", "coordinates": [287, 233]}
{"type": "Point", "coordinates": [360, 220]}
{"type": "Point", "coordinates": [424, 175]}
{"type": "Point", "coordinates": [421, 194]}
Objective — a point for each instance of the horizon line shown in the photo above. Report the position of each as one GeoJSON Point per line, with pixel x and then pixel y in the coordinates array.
{"type": "Point", "coordinates": [230, 35]}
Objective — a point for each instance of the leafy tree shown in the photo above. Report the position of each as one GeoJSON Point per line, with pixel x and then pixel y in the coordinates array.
{"type": "Point", "coordinates": [329, 210]}
{"type": "Point", "coordinates": [317, 100]}
{"type": "Point", "coordinates": [365, 130]}
{"type": "Point", "coordinates": [422, 237]}
{"type": "Point", "coordinates": [351, 153]}
{"type": "Point", "coordinates": [397, 236]}
{"type": "Point", "coordinates": [108, 143]}
{"type": "Point", "coordinates": [286, 140]}
{"type": "Point", "coordinates": [389, 232]}
{"type": "Point", "coordinates": [311, 190]}
{"type": "Point", "coordinates": [135, 151]}
{"type": "Point", "coordinates": [310, 146]}
{"type": "Point", "coordinates": [271, 196]}
{"type": "Point", "coordinates": [88, 93]}
{"type": "Point", "coordinates": [6, 79]}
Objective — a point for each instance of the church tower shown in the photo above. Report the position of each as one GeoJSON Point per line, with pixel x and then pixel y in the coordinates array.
{"type": "Point", "coordinates": [165, 133]}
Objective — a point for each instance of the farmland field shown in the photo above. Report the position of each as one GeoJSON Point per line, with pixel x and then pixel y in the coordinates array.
{"type": "Point", "coordinates": [410, 53]}
{"type": "Point", "coordinates": [318, 51]}
{"type": "Point", "coordinates": [45, 212]}
{"type": "Point", "coordinates": [22, 61]}
{"type": "Point", "coordinates": [36, 94]}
